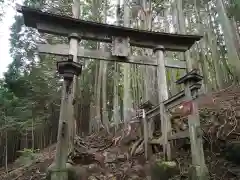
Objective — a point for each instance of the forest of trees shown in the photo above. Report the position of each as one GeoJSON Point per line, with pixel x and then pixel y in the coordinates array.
{"type": "Point", "coordinates": [109, 92]}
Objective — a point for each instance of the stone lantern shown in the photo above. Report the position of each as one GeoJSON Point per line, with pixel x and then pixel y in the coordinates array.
{"type": "Point", "coordinates": [69, 68]}
{"type": "Point", "coordinates": [192, 84]}
{"type": "Point", "coordinates": [192, 80]}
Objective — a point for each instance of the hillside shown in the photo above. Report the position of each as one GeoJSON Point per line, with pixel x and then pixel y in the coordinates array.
{"type": "Point", "coordinates": [105, 156]}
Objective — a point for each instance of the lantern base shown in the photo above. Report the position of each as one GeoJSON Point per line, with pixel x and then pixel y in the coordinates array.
{"type": "Point", "coordinates": [198, 173]}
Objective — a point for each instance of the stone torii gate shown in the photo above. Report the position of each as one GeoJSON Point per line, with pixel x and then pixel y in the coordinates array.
{"type": "Point", "coordinates": [121, 39]}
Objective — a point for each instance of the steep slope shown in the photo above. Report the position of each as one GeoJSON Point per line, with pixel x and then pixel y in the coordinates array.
{"type": "Point", "coordinates": [121, 156]}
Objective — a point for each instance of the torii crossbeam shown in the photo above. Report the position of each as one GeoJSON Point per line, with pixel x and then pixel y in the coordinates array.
{"type": "Point", "coordinates": [64, 25]}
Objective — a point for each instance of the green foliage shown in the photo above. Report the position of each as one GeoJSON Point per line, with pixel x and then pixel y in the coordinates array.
{"type": "Point", "coordinates": [27, 156]}
{"type": "Point", "coordinates": [3, 6]}
{"type": "Point", "coordinates": [30, 90]}
{"type": "Point", "coordinates": [234, 8]}
{"type": "Point", "coordinates": [28, 152]}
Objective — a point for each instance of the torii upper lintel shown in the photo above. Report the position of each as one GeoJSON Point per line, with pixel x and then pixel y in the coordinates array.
{"type": "Point", "coordinates": [63, 25]}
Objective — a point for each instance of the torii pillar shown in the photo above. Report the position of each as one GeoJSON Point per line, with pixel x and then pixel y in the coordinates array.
{"type": "Point", "coordinates": [68, 69]}
{"type": "Point", "coordinates": [162, 96]}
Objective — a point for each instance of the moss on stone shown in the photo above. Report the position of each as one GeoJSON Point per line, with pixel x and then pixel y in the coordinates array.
{"type": "Point", "coordinates": [163, 170]}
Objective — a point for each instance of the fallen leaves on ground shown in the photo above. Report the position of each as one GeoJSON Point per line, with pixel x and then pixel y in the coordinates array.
{"type": "Point", "coordinates": [120, 155]}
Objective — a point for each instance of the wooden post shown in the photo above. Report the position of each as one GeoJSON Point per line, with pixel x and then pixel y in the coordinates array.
{"type": "Point", "coordinates": [199, 169]}
{"type": "Point", "coordinates": [163, 95]}
{"type": "Point", "coordinates": [60, 172]}
{"type": "Point", "coordinates": [145, 133]}
{"type": "Point", "coordinates": [73, 51]}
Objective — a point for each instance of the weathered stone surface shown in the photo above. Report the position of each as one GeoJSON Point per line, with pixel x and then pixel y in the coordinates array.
{"type": "Point", "coordinates": [121, 157]}
{"type": "Point", "coordinates": [92, 178]}
{"type": "Point", "coordinates": [196, 173]}
{"type": "Point", "coordinates": [135, 177]}
{"type": "Point", "coordinates": [95, 168]}
{"type": "Point", "coordinates": [109, 157]}
{"type": "Point", "coordinates": [162, 170]}
{"type": "Point", "coordinates": [80, 173]}
{"type": "Point", "coordinates": [73, 172]}
{"type": "Point", "coordinates": [111, 177]}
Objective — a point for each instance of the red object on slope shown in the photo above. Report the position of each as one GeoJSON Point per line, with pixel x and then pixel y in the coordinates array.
{"type": "Point", "coordinates": [185, 108]}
